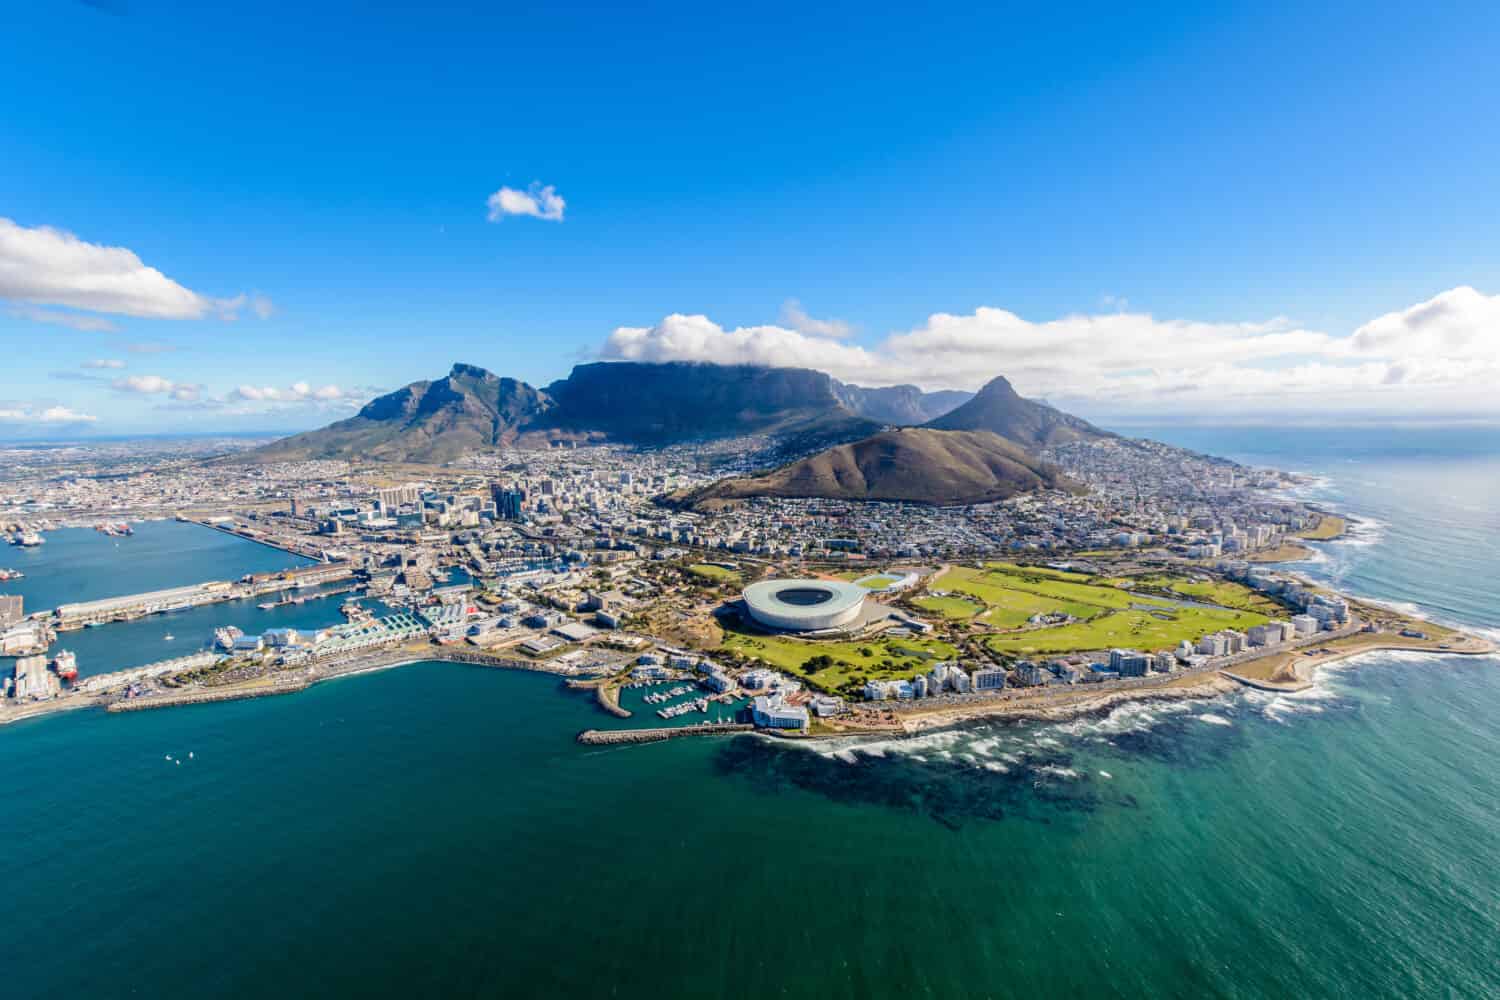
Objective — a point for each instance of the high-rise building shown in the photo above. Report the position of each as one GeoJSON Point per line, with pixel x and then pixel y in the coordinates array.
{"type": "Point", "coordinates": [509, 501]}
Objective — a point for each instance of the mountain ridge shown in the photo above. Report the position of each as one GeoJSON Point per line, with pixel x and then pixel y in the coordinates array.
{"type": "Point", "coordinates": [648, 404]}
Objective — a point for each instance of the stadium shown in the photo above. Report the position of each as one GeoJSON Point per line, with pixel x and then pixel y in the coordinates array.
{"type": "Point", "coordinates": [804, 605]}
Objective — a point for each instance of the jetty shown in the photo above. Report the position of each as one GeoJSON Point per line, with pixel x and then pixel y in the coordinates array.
{"type": "Point", "coordinates": [617, 737]}
{"type": "Point", "coordinates": [207, 696]}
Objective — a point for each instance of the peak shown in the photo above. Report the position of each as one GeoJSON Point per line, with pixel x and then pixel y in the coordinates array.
{"type": "Point", "coordinates": [996, 386]}
{"type": "Point", "coordinates": [461, 370]}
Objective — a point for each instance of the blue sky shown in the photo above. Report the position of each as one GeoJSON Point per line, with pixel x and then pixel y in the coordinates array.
{"type": "Point", "coordinates": [1129, 210]}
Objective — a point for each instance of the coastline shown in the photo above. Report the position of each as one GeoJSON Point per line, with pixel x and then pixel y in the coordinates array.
{"type": "Point", "coordinates": [1063, 705]}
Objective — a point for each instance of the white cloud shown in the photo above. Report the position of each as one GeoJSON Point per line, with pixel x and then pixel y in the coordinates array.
{"type": "Point", "coordinates": [47, 266]}
{"type": "Point", "coordinates": [698, 338]}
{"type": "Point", "coordinates": [153, 385]}
{"type": "Point", "coordinates": [794, 316]}
{"type": "Point", "coordinates": [28, 414]}
{"type": "Point", "coordinates": [296, 392]}
{"type": "Point", "coordinates": [537, 201]}
{"type": "Point", "coordinates": [103, 363]}
{"type": "Point", "coordinates": [1439, 354]}
{"type": "Point", "coordinates": [88, 324]}
{"type": "Point", "coordinates": [1459, 324]}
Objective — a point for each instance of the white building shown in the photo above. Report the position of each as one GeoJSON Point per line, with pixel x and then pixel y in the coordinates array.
{"type": "Point", "coordinates": [772, 712]}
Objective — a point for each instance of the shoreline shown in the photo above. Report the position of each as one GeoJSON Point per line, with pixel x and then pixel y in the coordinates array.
{"type": "Point", "coordinates": [289, 684]}
{"type": "Point", "coordinates": [1065, 705]}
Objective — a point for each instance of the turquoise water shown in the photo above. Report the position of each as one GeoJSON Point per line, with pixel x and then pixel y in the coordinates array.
{"type": "Point", "coordinates": [433, 830]}
{"type": "Point", "coordinates": [81, 564]}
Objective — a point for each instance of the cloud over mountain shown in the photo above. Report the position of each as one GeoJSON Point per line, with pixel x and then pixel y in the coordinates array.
{"type": "Point", "coordinates": [1449, 343]}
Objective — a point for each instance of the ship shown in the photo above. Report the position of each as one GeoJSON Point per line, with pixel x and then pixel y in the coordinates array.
{"type": "Point", "coordinates": [27, 539]}
{"type": "Point", "coordinates": [66, 665]}
{"type": "Point", "coordinates": [224, 637]}
{"type": "Point", "coordinates": [11, 574]}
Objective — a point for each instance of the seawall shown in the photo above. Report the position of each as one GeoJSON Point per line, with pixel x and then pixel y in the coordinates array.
{"type": "Point", "coordinates": [204, 697]}
{"type": "Point", "coordinates": [613, 737]}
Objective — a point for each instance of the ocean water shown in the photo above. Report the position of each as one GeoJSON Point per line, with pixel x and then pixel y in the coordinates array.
{"type": "Point", "coordinates": [434, 830]}
{"type": "Point", "coordinates": [81, 564]}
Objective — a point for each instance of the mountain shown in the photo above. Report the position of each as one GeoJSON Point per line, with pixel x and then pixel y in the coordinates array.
{"type": "Point", "coordinates": [467, 410]}
{"type": "Point", "coordinates": [905, 405]}
{"type": "Point", "coordinates": [915, 464]}
{"type": "Point", "coordinates": [642, 403]}
{"type": "Point", "coordinates": [471, 410]}
{"type": "Point", "coordinates": [999, 408]}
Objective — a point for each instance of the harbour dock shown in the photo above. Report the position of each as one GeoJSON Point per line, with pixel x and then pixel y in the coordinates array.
{"type": "Point", "coordinates": [615, 737]}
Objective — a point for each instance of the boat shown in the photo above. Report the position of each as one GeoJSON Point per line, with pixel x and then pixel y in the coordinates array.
{"type": "Point", "coordinates": [11, 574]}
{"type": "Point", "coordinates": [266, 605]}
{"type": "Point", "coordinates": [168, 637]}
{"type": "Point", "coordinates": [66, 665]}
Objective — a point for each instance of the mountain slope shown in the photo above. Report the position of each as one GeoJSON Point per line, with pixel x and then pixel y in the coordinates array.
{"type": "Point", "coordinates": [997, 407]}
{"type": "Point", "coordinates": [646, 403]}
{"type": "Point", "coordinates": [913, 464]}
{"type": "Point", "coordinates": [905, 405]}
{"type": "Point", "coordinates": [467, 410]}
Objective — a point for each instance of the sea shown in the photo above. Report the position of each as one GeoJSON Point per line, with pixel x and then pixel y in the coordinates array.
{"type": "Point", "coordinates": [434, 830]}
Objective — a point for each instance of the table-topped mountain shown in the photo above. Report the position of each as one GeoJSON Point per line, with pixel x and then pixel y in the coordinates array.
{"type": "Point", "coordinates": [471, 409]}
{"type": "Point", "coordinates": [914, 464]}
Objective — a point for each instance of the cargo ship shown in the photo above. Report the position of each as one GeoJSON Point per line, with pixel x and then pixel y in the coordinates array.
{"type": "Point", "coordinates": [66, 665]}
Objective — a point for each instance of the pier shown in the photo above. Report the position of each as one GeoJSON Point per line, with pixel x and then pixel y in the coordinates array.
{"type": "Point", "coordinates": [615, 737]}
{"type": "Point", "coordinates": [295, 546]}
{"type": "Point", "coordinates": [132, 606]}
{"type": "Point", "coordinates": [207, 696]}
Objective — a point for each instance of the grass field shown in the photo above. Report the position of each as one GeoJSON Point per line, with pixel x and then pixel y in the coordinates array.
{"type": "Point", "coordinates": [714, 574]}
{"type": "Point", "coordinates": [1220, 592]}
{"type": "Point", "coordinates": [888, 659]}
{"type": "Point", "coordinates": [949, 607]}
{"type": "Point", "coordinates": [1148, 630]}
{"type": "Point", "coordinates": [1329, 526]}
{"type": "Point", "coordinates": [1012, 594]}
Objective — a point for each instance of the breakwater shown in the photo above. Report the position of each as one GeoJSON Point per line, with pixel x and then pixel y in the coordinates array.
{"type": "Point", "coordinates": [206, 697]}
{"type": "Point", "coordinates": [614, 737]}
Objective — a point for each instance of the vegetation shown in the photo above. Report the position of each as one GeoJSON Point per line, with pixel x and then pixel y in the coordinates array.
{"type": "Point", "coordinates": [1011, 594]}
{"type": "Point", "coordinates": [916, 464]}
{"type": "Point", "coordinates": [839, 666]}
{"type": "Point", "coordinates": [1157, 628]}
{"type": "Point", "coordinates": [1221, 592]}
{"type": "Point", "coordinates": [1329, 526]}
{"type": "Point", "coordinates": [949, 607]}
{"type": "Point", "coordinates": [714, 574]}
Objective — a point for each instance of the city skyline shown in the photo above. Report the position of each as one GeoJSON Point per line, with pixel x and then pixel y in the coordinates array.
{"type": "Point", "coordinates": [1238, 216]}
